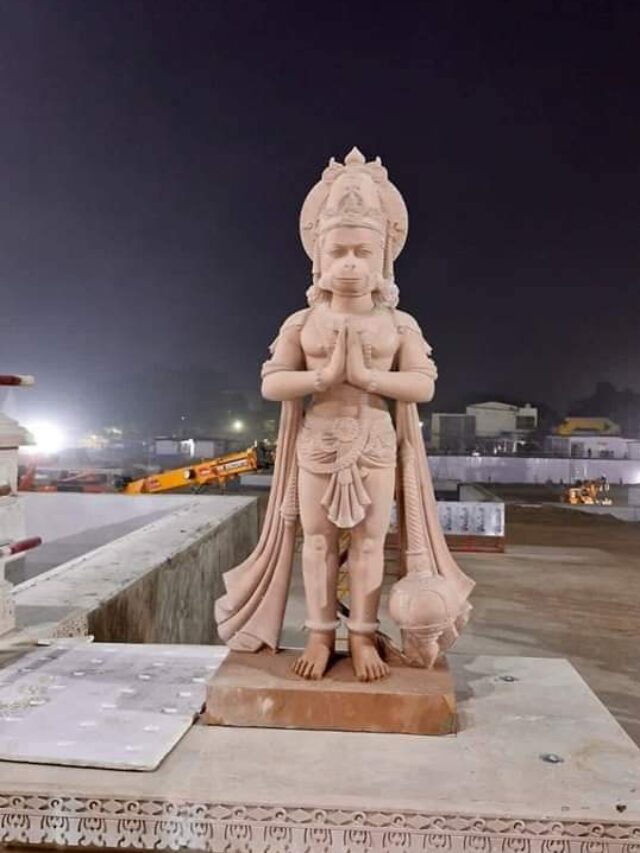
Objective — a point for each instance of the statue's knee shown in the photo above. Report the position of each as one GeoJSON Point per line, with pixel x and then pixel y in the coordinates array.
{"type": "Point", "coordinates": [367, 547]}
{"type": "Point", "coordinates": [317, 544]}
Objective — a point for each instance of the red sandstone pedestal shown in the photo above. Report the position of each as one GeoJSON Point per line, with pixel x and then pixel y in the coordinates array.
{"type": "Point", "coordinates": [259, 690]}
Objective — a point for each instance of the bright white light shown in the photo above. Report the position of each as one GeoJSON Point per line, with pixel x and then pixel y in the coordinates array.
{"type": "Point", "coordinates": [237, 426]}
{"type": "Point", "coordinates": [49, 438]}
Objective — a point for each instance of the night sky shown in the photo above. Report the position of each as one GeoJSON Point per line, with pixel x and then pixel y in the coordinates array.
{"type": "Point", "coordinates": [154, 157]}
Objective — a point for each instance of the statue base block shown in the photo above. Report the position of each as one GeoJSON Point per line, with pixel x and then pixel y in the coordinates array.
{"type": "Point", "coordinates": [259, 690]}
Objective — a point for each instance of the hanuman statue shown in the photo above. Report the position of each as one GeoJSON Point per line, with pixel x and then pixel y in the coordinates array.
{"type": "Point", "coordinates": [341, 460]}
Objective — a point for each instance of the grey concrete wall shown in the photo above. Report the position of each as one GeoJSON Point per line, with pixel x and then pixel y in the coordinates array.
{"type": "Point", "coordinates": [157, 584]}
{"type": "Point", "coordinates": [173, 602]}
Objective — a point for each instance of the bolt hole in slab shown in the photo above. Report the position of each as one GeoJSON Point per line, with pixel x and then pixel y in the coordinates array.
{"type": "Point", "coordinates": [552, 758]}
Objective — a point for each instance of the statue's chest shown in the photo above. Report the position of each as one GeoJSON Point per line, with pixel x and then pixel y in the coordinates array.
{"type": "Point", "coordinates": [377, 333]}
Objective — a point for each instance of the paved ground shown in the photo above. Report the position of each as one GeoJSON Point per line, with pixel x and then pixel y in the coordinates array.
{"type": "Point", "coordinates": [568, 586]}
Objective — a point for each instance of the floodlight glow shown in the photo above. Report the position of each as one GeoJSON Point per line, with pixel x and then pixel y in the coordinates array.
{"type": "Point", "coordinates": [48, 437]}
{"type": "Point", "coordinates": [237, 426]}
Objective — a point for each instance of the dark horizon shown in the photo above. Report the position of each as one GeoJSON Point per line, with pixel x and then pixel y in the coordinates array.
{"type": "Point", "coordinates": [155, 156]}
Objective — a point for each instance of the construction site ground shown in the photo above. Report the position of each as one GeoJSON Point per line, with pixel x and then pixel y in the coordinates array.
{"type": "Point", "coordinates": [567, 586]}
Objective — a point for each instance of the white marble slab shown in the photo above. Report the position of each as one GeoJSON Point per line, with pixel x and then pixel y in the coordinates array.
{"type": "Point", "coordinates": [539, 766]}
{"type": "Point", "coordinates": [117, 706]}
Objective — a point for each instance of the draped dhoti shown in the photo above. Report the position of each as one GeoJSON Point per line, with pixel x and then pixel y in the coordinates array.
{"type": "Point", "coordinates": [344, 449]}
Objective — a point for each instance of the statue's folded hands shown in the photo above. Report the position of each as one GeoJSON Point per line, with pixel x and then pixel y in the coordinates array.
{"type": "Point", "coordinates": [412, 382]}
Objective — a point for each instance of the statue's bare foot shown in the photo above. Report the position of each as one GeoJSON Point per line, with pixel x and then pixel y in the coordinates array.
{"type": "Point", "coordinates": [365, 659]}
{"type": "Point", "coordinates": [313, 662]}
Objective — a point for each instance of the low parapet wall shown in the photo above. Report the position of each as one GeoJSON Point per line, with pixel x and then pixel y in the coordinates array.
{"type": "Point", "coordinates": [155, 585]}
{"type": "Point", "coordinates": [531, 469]}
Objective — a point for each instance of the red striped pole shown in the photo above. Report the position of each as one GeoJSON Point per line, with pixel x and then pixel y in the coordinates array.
{"type": "Point", "coordinates": [12, 548]}
{"type": "Point", "coordinates": [9, 379]}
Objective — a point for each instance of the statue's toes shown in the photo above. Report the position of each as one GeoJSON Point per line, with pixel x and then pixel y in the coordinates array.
{"type": "Point", "coordinates": [300, 667]}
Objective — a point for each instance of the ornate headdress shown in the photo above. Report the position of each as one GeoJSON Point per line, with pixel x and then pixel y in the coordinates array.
{"type": "Point", "coordinates": [356, 194]}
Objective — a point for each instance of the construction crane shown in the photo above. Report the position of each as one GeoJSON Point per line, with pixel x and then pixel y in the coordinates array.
{"type": "Point", "coordinates": [196, 477]}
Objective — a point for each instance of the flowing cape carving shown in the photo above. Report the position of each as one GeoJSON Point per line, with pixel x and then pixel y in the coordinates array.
{"type": "Point", "coordinates": [257, 588]}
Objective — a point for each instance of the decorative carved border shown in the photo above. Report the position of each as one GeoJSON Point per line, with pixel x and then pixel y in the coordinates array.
{"type": "Point", "coordinates": [226, 828]}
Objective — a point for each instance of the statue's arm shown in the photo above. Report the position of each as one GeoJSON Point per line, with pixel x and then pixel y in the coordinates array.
{"type": "Point", "coordinates": [284, 375]}
{"type": "Point", "coordinates": [414, 379]}
{"type": "Point", "coordinates": [415, 365]}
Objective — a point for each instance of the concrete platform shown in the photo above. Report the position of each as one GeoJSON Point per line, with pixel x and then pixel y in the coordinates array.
{"type": "Point", "coordinates": [539, 766]}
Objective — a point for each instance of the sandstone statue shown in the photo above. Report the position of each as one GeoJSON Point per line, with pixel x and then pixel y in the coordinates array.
{"type": "Point", "coordinates": [341, 460]}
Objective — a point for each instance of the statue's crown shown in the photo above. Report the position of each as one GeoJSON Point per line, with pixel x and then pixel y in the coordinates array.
{"type": "Point", "coordinates": [353, 198]}
{"type": "Point", "coordinates": [354, 193]}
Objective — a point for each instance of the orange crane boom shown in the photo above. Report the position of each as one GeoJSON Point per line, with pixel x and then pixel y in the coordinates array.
{"type": "Point", "coordinates": [217, 471]}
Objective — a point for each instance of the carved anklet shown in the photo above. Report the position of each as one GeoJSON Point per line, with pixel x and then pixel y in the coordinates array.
{"type": "Point", "coordinates": [321, 626]}
{"type": "Point", "coordinates": [362, 627]}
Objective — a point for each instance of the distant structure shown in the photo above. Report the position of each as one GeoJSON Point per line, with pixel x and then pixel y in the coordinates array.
{"type": "Point", "coordinates": [593, 446]}
{"type": "Point", "coordinates": [194, 448]}
{"type": "Point", "coordinates": [591, 438]}
{"type": "Point", "coordinates": [587, 426]}
{"type": "Point", "coordinates": [491, 427]}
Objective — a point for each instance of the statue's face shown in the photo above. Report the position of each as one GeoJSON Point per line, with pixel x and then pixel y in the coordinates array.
{"type": "Point", "coordinates": [351, 260]}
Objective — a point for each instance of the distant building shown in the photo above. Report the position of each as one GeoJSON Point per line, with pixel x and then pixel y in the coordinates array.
{"type": "Point", "coordinates": [587, 426]}
{"type": "Point", "coordinates": [593, 446]}
{"type": "Point", "coordinates": [192, 448]}
{"type": "Point", "coordinates": [453, 433]}
{"type": "Point", "coordinates": [490, 427]}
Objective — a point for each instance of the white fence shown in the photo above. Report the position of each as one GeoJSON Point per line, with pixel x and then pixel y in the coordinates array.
{"type": "Point", "coordinates": [530, 469]}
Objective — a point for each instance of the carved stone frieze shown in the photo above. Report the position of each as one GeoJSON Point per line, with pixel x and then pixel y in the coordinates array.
{"type": "Point", "coordinates": [154, 824]}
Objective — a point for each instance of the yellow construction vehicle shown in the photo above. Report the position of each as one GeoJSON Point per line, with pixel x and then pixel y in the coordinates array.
{"type": "Point", "coordinates": [589, 492]}
{"type": "Point", "coordinates": [201, 474]}
{"type": "Point", "coordinates": [589, 426]}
